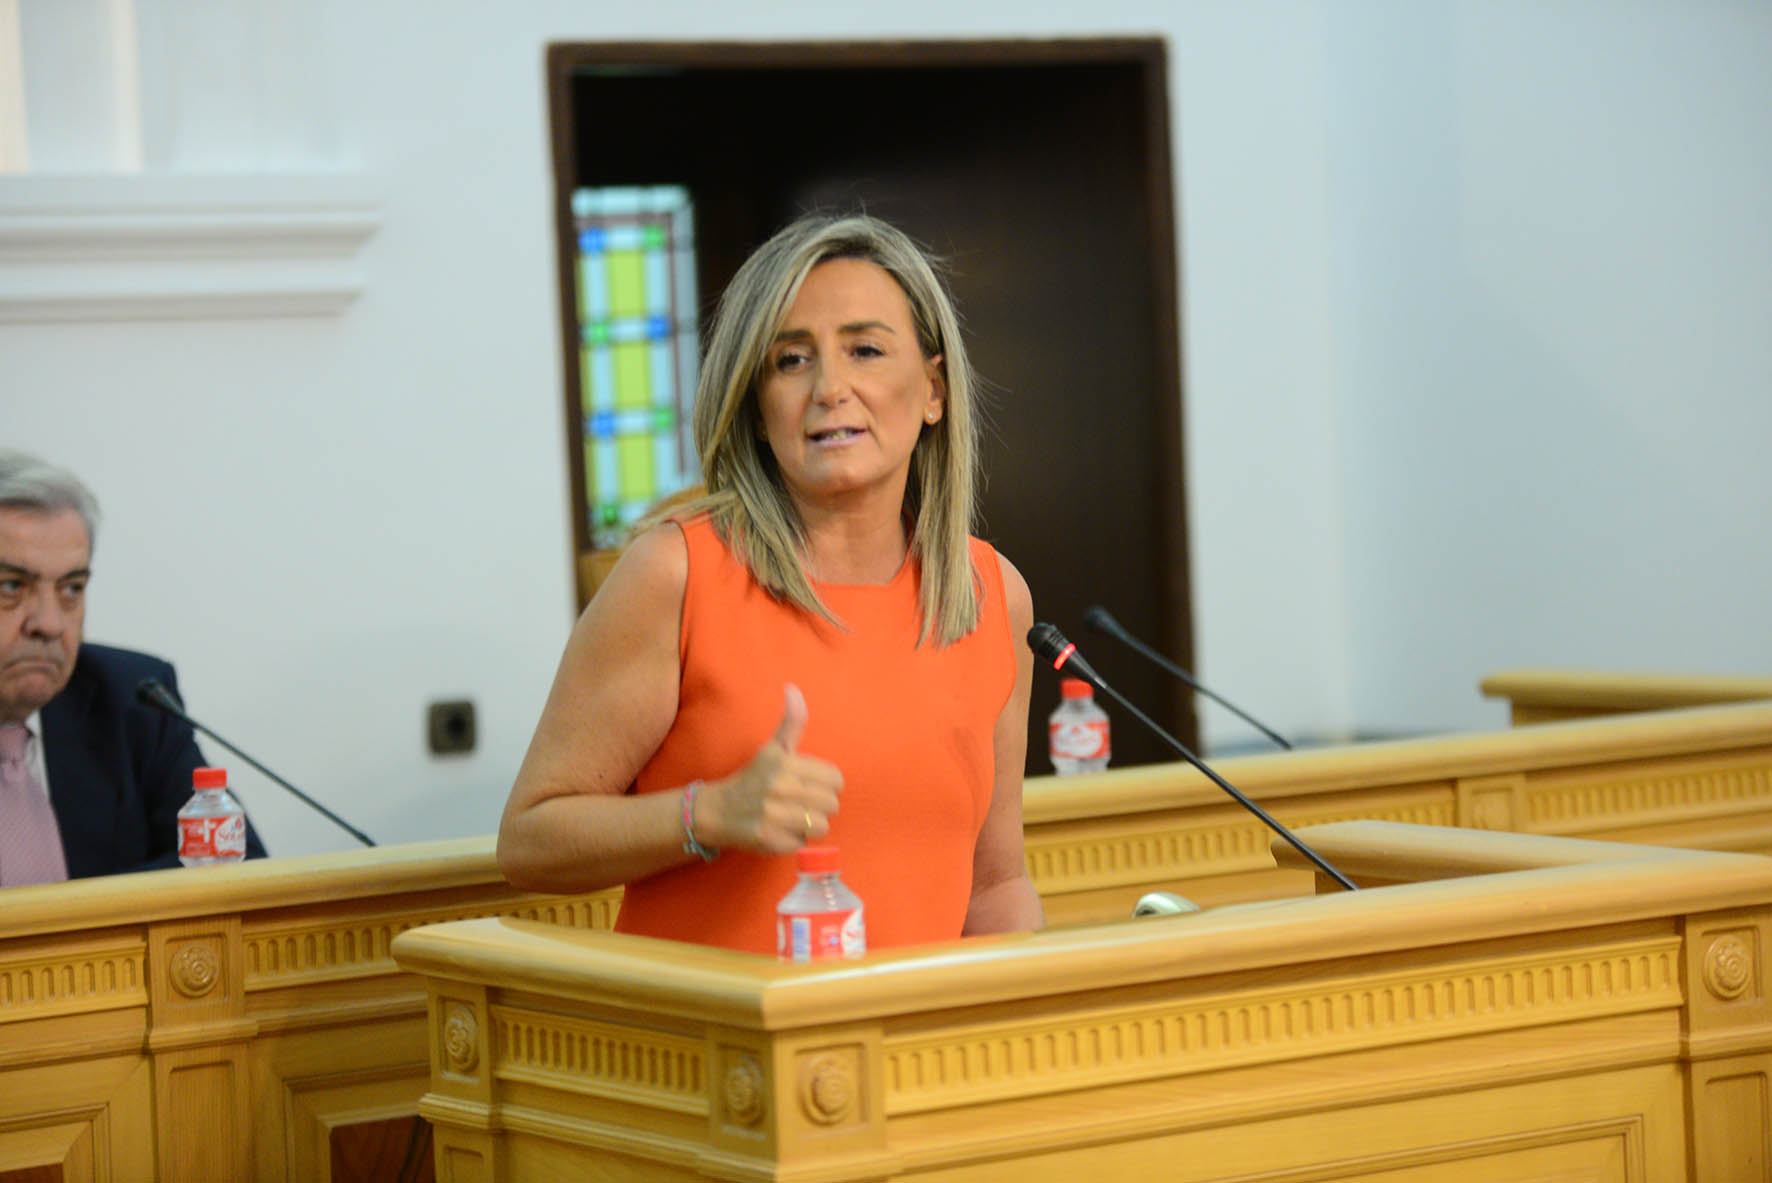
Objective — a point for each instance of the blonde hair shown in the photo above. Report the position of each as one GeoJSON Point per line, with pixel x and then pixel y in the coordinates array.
{"type": "Point", "coordinates": [746, 500]}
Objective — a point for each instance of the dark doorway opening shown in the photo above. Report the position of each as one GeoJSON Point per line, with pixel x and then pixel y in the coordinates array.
{"type": "Point", "coordinates": [1041, 171]}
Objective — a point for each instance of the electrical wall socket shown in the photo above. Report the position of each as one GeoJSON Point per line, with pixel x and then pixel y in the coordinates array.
{"type": "Point", "coordinates": [452, 727]}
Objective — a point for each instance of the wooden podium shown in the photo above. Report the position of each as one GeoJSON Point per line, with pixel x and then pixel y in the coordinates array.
{"type": "Point", "coordinates": [1511, 1007]}
{"type": "Point", "coordinates": [250, 1023]}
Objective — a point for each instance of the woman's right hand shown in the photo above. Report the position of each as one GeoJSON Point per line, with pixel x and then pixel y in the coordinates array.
{"type": "Point", "coordinates": [778, 802]}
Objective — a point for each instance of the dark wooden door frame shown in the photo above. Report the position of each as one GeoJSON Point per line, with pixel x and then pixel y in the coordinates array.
{"type": "Point", "coordinates": [1147, 55]}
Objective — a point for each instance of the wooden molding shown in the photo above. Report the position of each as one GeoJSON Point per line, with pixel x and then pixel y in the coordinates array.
{"type": "Point", "coordinates": [165, 246]}
{"type": "Point", "coordinates": [1548, 696]}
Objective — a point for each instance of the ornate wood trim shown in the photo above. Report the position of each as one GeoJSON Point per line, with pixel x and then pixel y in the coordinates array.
{"type": "Point", "coordinates": [1207, 1034]}
{"type": "Point", "coordinates": [648, 1068]}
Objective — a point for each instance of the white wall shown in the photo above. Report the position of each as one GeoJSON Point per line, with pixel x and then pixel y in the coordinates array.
{"type": "Point", "coordinates": [1406, 229]}
{"type": "Point", "coordinates": [1552, 241]}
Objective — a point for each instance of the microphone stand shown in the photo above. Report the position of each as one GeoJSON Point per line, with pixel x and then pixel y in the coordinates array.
{"type": "Point", "coordinates": [1102, 621]}
{"type": "Point", "coordinates": [153, 693]}
{"type": "Point", "coordinates": [1051, 644]}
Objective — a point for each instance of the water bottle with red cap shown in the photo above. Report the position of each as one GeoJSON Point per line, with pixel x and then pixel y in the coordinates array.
{"type": "Point", "coordinates": [821, 918]}
{"type": "Point", "coordinates": [212, 825]}
{"type": "Point", "coordinates": [1078, 731]}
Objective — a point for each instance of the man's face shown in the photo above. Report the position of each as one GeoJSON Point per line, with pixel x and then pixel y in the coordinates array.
{"type": "Point", "coordinates": [44, 559]}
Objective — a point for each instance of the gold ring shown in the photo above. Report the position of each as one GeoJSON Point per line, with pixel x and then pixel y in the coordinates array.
{"type": "Point", "coordinates": [807, 814]}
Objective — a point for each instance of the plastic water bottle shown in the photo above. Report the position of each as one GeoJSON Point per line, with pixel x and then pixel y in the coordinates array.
{"type": "Point", "coordinates": [212, 825]}
{"type": "Point", "coordinates": [1077, 733]}
{"type": "Point", "coordinates": [821, 918]}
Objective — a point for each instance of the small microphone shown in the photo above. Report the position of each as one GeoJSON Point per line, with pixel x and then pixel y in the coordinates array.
{"type": "Point", "coordinates": [1102, 621]}
{"type": "Point", "coordinates": [151, 692]}
{"type": "Point", "coordinates": [1047, 642]}
{"type": "Point", "coordinates": [1164, 903]}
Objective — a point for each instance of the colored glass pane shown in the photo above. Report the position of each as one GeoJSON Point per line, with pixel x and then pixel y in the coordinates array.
{"type": "Point", "coordinates": [633, 386]}
{"type": "Point", "coordinates": [627, 283]}
{"type": "Point", "coordinates": [638, 353]}
{"type": "Point", "coordinates": [634, 455]}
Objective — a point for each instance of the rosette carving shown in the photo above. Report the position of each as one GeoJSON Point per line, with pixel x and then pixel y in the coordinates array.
{"type": "Point", "coordinates": [195, 970]}
{"type": "Point", "coordinates": [1490, 812]}
{"type": "Point", "coordinates": [461, 1040]}
{"type": "Point", "coordinates": [827, 1090]}
{"type": "Point", "coordinates": [744, 1091]}
{"type": "Point", "coordinates": [1728, 967]}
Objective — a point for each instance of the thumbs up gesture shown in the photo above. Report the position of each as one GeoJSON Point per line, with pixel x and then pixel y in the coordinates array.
{"type": "Point", "coordinates": [778, 802]}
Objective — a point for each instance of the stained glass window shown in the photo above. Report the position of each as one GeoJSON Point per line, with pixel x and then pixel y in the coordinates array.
{"type": "Point", "coordinates": [637, 349]}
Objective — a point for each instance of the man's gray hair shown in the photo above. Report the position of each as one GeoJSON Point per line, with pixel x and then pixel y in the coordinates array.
{"type": "Point", "coordinates": [32, 484]}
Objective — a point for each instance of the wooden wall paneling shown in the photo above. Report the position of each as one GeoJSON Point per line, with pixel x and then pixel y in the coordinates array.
{"type": "Point", "coordinates": [459, 1031]}
{"type": "Point", "coordinates": [49, 1154]}
{"type": "Point", "coordinates": [88, 1120]}
{"type": "Point", "coordinates": [197, 1039]}
{"type": "Point", "coordinates": [317, 1083]}
{"type": "Point", "coordinates": [1730, 1068]}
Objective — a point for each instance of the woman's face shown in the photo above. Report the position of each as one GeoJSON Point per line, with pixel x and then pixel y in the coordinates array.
{"type": "Point", "coordinates": [846, 391]}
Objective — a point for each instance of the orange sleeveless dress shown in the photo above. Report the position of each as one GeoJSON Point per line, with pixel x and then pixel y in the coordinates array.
{"type": "Point", "coordinates": [910, 726]}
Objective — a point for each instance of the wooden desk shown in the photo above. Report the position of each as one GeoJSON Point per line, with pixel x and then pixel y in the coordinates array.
{"type": "Point", "coordinates": [176, 1025]}
{"type": "Point", "coordinates": [1603, 1014]}
{"type": "Point", "coordinates": [1550, 696]}
{"type": "Point", "coordinates": [222, 1024]}
{"type": "Point", "coordinates": [1697, 778]}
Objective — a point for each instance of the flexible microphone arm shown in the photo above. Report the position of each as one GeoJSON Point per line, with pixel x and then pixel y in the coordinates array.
{"type": "Point", "coordinates": [1102, 621]}
{"type": "Point", "coordinates": [1047, 642]}
{"type": "Point", "coordinates": [151, 692]}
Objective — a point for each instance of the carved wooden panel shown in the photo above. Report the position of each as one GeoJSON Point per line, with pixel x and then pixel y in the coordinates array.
{"type": "Point", "coordinates": [54, 1174]}
{"type": "Point", "coordinates": [1631, 795]}
{"type": "Point", "coordinates": [320, 949]}
{"type": "Point", "coordinates": [89, 1120]}
{"type": "Point", "coordinates": [1163, 1038]}
{"type": "Point", "coordinates": [1492, 802]}
{"type": "Point", "coordinates": [73, 978]}
{"type": "Point", "coordinates": [60, 1153]}
{"type": "Point", "coordinates": [1733, 1101]}
{"type": "Point", "coordinates": [652, 1068]}
{"type": "Point", "coordinates": [1084, 856]}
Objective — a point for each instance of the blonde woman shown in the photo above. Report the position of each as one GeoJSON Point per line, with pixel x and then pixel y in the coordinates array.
{"type": "Point", "coordinates": [816, 650]}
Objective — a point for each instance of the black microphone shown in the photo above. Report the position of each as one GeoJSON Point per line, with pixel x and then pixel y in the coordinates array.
{"type": "Point", "coordinates": [1047, 642]}
{"type": "Point", "coordinates": [1102, 621]}
{"type": "Point", "coordinates": [154, 694]}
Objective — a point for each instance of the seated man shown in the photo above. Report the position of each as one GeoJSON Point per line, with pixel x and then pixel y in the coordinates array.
{"type": "Point", "coordinates": [91, 781]}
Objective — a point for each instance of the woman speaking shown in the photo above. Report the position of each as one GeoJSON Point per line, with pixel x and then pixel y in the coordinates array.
{"type": "Point", "coordinates": [816, 650]}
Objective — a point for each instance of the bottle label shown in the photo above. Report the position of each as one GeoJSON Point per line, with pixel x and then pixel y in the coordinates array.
{"type": "Point", "coordinates": [820, 936]}
{"type": "Point", "coordinates": [1072, 740]}
{"type": "Point", "coordinates": [212, 837]}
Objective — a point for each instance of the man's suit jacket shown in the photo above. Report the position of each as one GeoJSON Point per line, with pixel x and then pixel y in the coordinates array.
{"type": "Point", "coordinates": [119, 770]}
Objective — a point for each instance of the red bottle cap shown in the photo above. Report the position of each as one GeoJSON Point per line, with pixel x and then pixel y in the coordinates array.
{"type": "Point", "coordinates": [816, 860]}
{"type": "Point", "coordinates": [1075, 688]}
{"type": "Point", "coordinates": [209, 778]}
